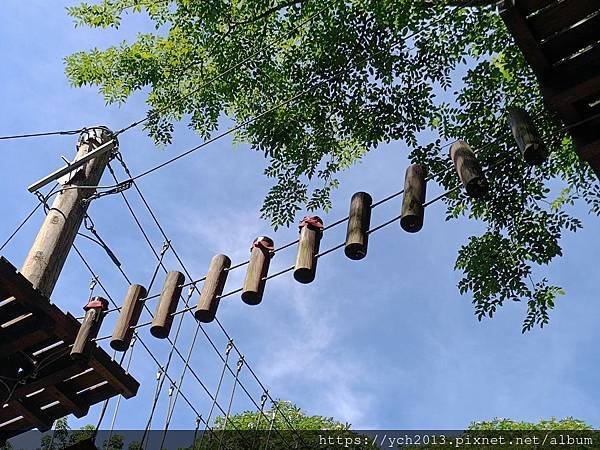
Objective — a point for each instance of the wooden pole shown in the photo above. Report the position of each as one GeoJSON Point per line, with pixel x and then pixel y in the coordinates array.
{"type": "Point", "coordinates": [311, 231]}
{"type": "Point", "coordinates": [128, 317]}
{"type": "Point", "coordinates": [167, 304]}
{"type": "Point", "coordinates": [526, 134]}
{"type": "Point", "coordinates": [212, 288]}
{"type": "Point", "coordinates": [49, 251]}
{"type": "Point", "coordinates": [359, 221]}
{"type": "Point", "coordinates": [415, 189]}
{"type": "Point", "coordinates": [468, 169]}
{"type": "Point", "coordinates": [94, 313]}
{"type": "Point", "coordinates": [258, 267]}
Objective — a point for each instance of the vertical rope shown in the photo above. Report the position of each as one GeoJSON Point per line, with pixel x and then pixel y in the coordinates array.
{"type": "Point", "coordinates": [271, 424]}
{"type": "Point", "coordinates": [114, 417]}
{"type": "Point", "coordinates": [263, 400]}
{"type": "Point", "coordinates": [239, 366]}
{"type": "Point", "coordinates": [218, 390]}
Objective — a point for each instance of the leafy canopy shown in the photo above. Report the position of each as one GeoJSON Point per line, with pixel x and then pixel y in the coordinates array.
{"type": "Point", "coordinates": [362, 73]}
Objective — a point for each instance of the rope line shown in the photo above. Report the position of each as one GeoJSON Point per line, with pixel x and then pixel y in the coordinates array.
{"type": "Point", "coordinates": [47, 133]}
{"type": "Point", "coordinates": [119, 158]}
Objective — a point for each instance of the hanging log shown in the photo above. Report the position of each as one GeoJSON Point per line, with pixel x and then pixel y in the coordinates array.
{"type": "Point", "coordinates": [260, 258]}
{"type": "Point", "coordinates": [311, 231]}
{"type": "Point", "coordinates": [212, 288]}
{"type": "Point", "coordinates": [468, 169]}
{"type": "Point", "coordinates": [526, 134]}
{"type": "Point", "coordinates": [359, 221]}
{"type": "Point", "coordinates": [167, 305]}
{"type": "Point", "coordinates": [128, 317]}
{"type": "Point", "coordinates": [415, 189]}
{"type": "Point", "coordinates": [94, 313]}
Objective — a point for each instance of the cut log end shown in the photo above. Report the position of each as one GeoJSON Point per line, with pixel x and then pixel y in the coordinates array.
{"type": "Point", "coordinates": [304, 275]}
{"type": "Point", "coordinates": [204, 316]}
{"type": "Point", "coordinates": [411, 223]}
{"type": "Point", "coordinates": [251, 298]}
{"type": "Point", "coordinates": [535, 154]}
{"type": "Point", "coordinates": [160, 332]}
{"type": "Point", "coordinates": [477, 188]}
{"type": "Point", "coordinates": [119, 345]}
{"type": "Point", "coordinates": [355, 251]}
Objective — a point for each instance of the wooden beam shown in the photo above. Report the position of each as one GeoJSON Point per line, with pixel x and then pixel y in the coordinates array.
{"type": "Point", "coordinates": [516, 24]}
{"type": "Point", "coordinates": [573, 40]}
{"type": "Point", "coordinates": [113, 373]}
{"type": "Point", "coordinates": [49, 251]}
{"type": "Point", "coordinates": [60, 393]}
{"type": "Point", "coordinates": [37, 418]}
{"type": "Point", "coordinates": [561, 16]}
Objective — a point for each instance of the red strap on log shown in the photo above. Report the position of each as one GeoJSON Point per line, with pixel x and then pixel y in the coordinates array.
{"type": "Point", "coordinates": [264, 243]}
{"type": "Point", "coordinates": [97, 303]}
{"type": "Point", "coordinates": [313, 222]}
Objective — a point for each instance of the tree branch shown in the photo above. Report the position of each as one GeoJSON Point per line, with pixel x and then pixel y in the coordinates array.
{"type": "Point", "coordinates": [268, 12]}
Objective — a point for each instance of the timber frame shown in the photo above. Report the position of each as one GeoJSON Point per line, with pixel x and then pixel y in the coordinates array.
{"type": "Point", "coordinates": [560, 40]}
{"type": "Point", "coordinates": [35, 340]}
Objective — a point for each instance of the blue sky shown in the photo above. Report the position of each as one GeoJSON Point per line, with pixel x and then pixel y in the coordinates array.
{"type": "Point", "coordinates": [386, 342]}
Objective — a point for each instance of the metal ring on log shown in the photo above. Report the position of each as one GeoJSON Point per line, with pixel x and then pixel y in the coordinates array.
{"type": "Point", "coordinates": [311, 231]}
{"type": "Point", "coordinates": [261, 253]}
{"type": "Point", "coordinates": [88, 330]}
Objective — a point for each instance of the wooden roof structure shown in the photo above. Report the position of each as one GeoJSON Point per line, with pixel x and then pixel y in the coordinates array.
{"type": "Point", "coordinates": [54, 385]}
{"type": "Point", "coordinates": [560, 39]}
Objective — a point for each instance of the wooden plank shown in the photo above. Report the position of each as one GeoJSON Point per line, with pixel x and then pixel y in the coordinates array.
{"type": "Point", "coordinates": [83, 381]}
{"type": "Point", "coordinates": [516, 24]}
{"type": "Point", "coordinates": [561, 16]}
{"type": "Point", "coordinates": [38, 419]}
{"type": "Point", "coordinates": [98, 394]}
{"type": "Point", "coordinates": [10, 308]}
{"type": "Point", "coordinates": [69, 399]}
{"type": "Point", "coordinates": [531, 6]}
{"type": "Point", "coordinates": [22, 335]}
{"type": "Point", "coordinates": [33, 300]}
{"type": "Point", "coordinates": [56, 373]}
{"type": "Point", "coordinates": [573, 40]}
{"type": "Point", "coordinates": [122, 382]}
{"type": "Point", "coordinates": [54, 391]}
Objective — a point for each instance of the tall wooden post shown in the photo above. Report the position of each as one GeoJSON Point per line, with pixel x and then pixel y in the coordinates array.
{"type": "Point", "coordinates": [49, 251]}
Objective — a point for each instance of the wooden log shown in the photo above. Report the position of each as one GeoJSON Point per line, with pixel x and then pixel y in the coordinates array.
{"type": "Point", "coordinates": [167, 305]}
{"type": "Point", "coordinates": [94, 313]}
{"type": "Point", "coordinates": [359, 220]}
{"type": "Point", "coordinates": [415, 189]}
{"type": "Point", "coordinates": [128, 317]}
{"type": "Point", "coordinates": [468, 169]}
{"type": "Point", "coordinates": [49, 251]}
{"type": "Point", "coordinates": [311, 231]}
{"type": "Point", "coordinates": [526, 134]}
{"type": "Point", "coordinates": [212, 289]}
{"type": "Point", "coordinates": [260, 258]}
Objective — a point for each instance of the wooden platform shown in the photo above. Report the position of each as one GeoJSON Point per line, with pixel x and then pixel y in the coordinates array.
{"type": "Point", "coordinates": [560, 39]}
{"type": "Point", "coordinates": [54, 385]}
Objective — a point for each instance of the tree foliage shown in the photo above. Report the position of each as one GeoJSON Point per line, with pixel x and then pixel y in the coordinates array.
{"type": "Point", "coordinates": [360, 73]}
